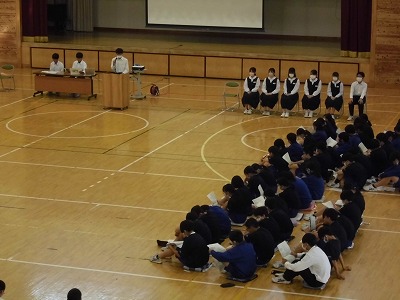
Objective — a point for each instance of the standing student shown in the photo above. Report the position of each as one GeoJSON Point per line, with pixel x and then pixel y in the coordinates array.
{"type": "Point", "coordinates": [290, 94]}
{"type": "Point", "coordinates": [251, 97]}
{"type": "Point", "coordinates": [270, 92]}
{"type": "Point", "coordinates": [120, 64]}
{"type": "Point", "coordinates": [56, 65]}
{"type": "Point", "coordinates": [334, 100]}
{"type": "Point", "coordinates": [312, 94]}
{"type": "Point", "coordinates": [358, 95]}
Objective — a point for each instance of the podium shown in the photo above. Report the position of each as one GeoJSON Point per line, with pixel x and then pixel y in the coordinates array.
{"type": "Point", "coordinates": [115, 90]}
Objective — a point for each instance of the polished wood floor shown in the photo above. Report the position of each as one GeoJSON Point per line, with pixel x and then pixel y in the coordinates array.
{"type": "Point", "coordinates": [85, 193]}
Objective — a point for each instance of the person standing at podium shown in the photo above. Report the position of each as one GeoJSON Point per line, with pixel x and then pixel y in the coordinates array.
{"type": "Point", "coordinates": [120, 64]}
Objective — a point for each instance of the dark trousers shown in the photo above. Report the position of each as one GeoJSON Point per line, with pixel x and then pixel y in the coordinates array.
{"type": "Point", "coordinates": [306, 275]}
{"type": "Point", "coordinates": [360, 106]}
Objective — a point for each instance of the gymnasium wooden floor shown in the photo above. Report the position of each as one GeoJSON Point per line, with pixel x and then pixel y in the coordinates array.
{"type": "Point", "coordinates": [86, 192]}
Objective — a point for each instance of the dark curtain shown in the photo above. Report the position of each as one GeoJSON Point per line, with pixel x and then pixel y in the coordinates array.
{"type": "Point", "coordinates": [356, 28]}
{"type": "Point", "coordinates": [34, 20]}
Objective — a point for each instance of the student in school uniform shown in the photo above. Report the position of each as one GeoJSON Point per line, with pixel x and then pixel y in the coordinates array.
{"type": "Point", "coordinates": [80, 65]}
{"type": "Point", "coordinates": [334, 100]}
{"type": "Point", "coordinates": [270, 92]}
{"type": "Point", "coordinates": [312, 94]}
{"type": "Point", "coordinates": [358, 95]}
{"type": "Point", "coordinates": [56, 65]}
{"type": "Point", "coordinates": [290, 94]}
{"type": "Point", "coordinates": [120, 64]}
{"type": "Point", "coordinates": [251, 96]}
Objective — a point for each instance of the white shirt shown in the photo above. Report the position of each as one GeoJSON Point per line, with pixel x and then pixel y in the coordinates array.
{"type": "Point", "coordinates": [315, 260]}
{"type": "Point", "coordinates": [341, 88]}
{"type": "Point", "coordinates": [317, 92]}
{"type": "Point", "coordinates": [246, 88]}
{"type": "Point", "coordinates": [120, 65]}
{"type": "Point", "coordinates": [358, 89]}
{"type": "Point", "coordinates": [296, 87]}
{"type": "Point", "coordinates": [56, 67]}
{"type": "Point", "coordinates": [79, 65]}
{"type": "Point", "coordinates": [277, 88]}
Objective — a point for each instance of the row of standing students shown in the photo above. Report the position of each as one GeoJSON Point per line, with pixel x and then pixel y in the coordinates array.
{"type": "Point", "coordinates": [312, 93]}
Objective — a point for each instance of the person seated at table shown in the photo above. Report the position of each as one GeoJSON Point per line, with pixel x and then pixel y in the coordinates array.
{"type": "Point", "coordinates": [56, 65]}
{"type": "Point", "coordinates": [240, 258]}
{"type": "Point", "coordinates": [262, 240]}
{"type": "Point", "coordinates": [194, 252]}
{"type": "Point", "coordinates": [120, 64]}
{"type": "Point", "coordinates": [80, 65]}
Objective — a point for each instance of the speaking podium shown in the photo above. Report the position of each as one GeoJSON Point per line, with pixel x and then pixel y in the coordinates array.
{"type": "Point", "coordinates": [115, 90]}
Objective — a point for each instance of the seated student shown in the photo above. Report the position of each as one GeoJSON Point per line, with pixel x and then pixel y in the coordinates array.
{"type": "Point", "coordinates": [200, 227]}
{"type": "Point", "coordinates": [358, 95]}
{"type": "Point", "coordinates": [302, 191]}
{"type": "Point", "coordinates": [268, 177]}
{"type": "Point", "coordinates": [331, 246]}
{"type": "Point", "coordinates": [56, 65]}
{"type": "Point", "coordinates": [224, 223]}
{"type": "Point", "coordinates": [294, 149]}
{"type": "Point", "coordinates": [325, 159]}
{"type": "Point", "coordinates": [396, 138]}
{"type": "Point", "coordinates": [262, 240]}
{"type": "Point", "coordinates": [330, 218]}
{"type": "Point", "coordinates": [280, 144]}
{"type": "Point", "coordinates": [334, 100]}
{"type": "Point", "coordinates": [390, 176]}
{"type": "Point", "coordinates": [330, 126]}
{"type": "Point", "coordinates": [74, 294]}
{"type": "Point", "coordinates": [312, 94]}
{"type": "Point", "coordinates": [251, 96]}
{"type": "Point", "coordinates": [2, 288]}
{"type": "Point", "coordinates": [210, 220]}
{"type": "Point", "coordinates": [270, 92]}
{"type": "Point", "coordinates": [352, 173]}
{"type": "Point", "coordinates": [364, 130]}
{"type": "Point", "coordinates": [320, 134]}
{"type": "Point", "coordinates": [241, 257]}
{"type": "Point", "coordinates": [253, 180]}
{"type": "Point", "coordinates": [350, 209]}
{"type": "Point", "coordinates": [262, 216]}
{"type": "Point", "coordinates": [274, 161]}
{"type": "Point", "coordinates": [239, 203]}
{"type": "Point", "coordinates": [314, 180]}
{"type": "Point", "coordinates": [80, 65]}
{"type": "Point", "coordinates": [194, 252]}
{"type": "Point", "coordinates": [378, 158]}
{"type": "Point", "coordinates": [385, 143]}
{"type": "Point", "coordinates": [354, 139]}
{"type": "Point", "coordinates": [343, 145]}
{"type": "Point", "coordinates": [358, 198]}
{"type": "Point", "coordinates": [289, 196]}
{"type": "Point", "coordinates": [314, 267]}
{"type": "Point", "coordinates": [290, 94]}
{"type": "Point", "coordinates": [281, 217]}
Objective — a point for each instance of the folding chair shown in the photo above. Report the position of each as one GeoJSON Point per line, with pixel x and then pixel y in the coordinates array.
{"type": "Point", "coordinates": [7, 72]}
{"type": "Point", "coordinates": [231, 90]}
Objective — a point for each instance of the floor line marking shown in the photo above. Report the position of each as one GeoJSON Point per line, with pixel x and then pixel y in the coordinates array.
{"type": "Point", "coordinates": [378, 230]}
{"type": "Point", "coordinates": [381, 218]}
{"type": "Point", "coordinates": [16, 101]}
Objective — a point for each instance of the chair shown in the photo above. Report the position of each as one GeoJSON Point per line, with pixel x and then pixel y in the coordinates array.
{"type": "Point", "coordinates": [231, 90]}
{"type": "Point", "coordinates": [7, 72]}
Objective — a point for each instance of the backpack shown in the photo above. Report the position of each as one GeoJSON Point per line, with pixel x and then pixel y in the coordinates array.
{"type": "Point", "coordinates": [154, 90]}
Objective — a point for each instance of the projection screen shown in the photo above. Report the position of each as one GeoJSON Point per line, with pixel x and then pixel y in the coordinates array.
{"type": "Point", "coordinates": [208, 13]}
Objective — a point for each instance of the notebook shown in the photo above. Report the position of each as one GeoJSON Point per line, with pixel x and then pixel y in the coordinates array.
{"type": "Point", "coordinates": [90, 71]}
{"type": "Point", "coordinates": [287, 158]}
{"type": "Point", "coordinates": [362, 147]}
{"type": "Point", "coordinates": [75, 71]}
{"type": "Point", "coordinates": [216, 247]}
{"type": "Point", "coordinates": [285, 251]}
{"type": "Point", "coordinates": [259, 201]}
{"type": "Point", "coordinates": [213, 198]}
{"type": "Point", "coordinates": [330, 142]}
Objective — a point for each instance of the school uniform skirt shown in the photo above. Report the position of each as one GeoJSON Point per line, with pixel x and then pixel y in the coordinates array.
{"type": "Point", "coordinates": [289, 101]}
{"type": "Point", "coordinates": [269, 100]}
{"type": "Point", "coordinates": [311, 103]}
{"type": "Point", "coordinates": [252, 99]}
{"type": "Point", "coordinates": [337, 103]}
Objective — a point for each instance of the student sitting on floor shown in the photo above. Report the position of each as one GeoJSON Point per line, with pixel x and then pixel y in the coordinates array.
{"type": "Point", "coordinates": [200, 227]}
{"type": "Point", "coordinates": [314, 267]}
{"type": "Point", "coordinates": [281, 217]}
{"type": "Point", "coordinates": [241, 257]}
{"type": "Point", "coordinates": [194, 252]}
{"type": "Point", "coordinates": [330, 218]}
{"type": "Point", "coordinates": [313, 179]}
{"type": "Point", "coordinates": [224, 223]}
{"type": "Point", "coordinates": [265, 221]}
{"type": "Point", "coordinates": [352, 173]}
{"type": "Point", "coordinates": [274, 161]}
{"type": "Point", "coordinates": [253, 180]}
{"type": "Point", "coordinates": [295, 150]}
{"type": "Point", "coordinates": [251, 96]}
{"type": "Point", "coordinates": [270, 92]}
{"type": "Point", "coordinates": [289, 196]}
{"type": "Point", "coordinates": [262, 241]}
{"type": "Point", "coordinates": [239, 203]}
{"type": "Point", "coordinates": [211, 221]}
{"type": "Point", "coordinates": [319, 134]}
{"type": "Point", "coordinates": [302, 191]}
{"type": "Point", "coordinates": [350, 209]}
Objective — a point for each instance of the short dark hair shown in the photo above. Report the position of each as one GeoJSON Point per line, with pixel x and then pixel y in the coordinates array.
{"type": "Point", "coordinates": [350, 129]}
{"type": "Point", "coordinates": [321, 145]}
{"type": "Point", "coordinates": [237, 181]}
{"type": "Point", "coordinates": [251, 223]}
{"type": "Point", "coordinates": [271, 70]}
{"type": "Point", "coordinates": [348, 157]}
{"type": "Point", "coordinates": [55, 56]}
{"type": "Point", "coordinates": [300, 131]}
{"type": "Point", "coordinates": [314, 72]}
{"type": "Point", "coordinates": [291, 137]}
{"type": "Point", "coordinates": [292, 71]}
{"type": "Point", "coordinates": [335, 74]}
{"type": "Point", "coordinates": [74, 294]}
{"type": "Point", "coordinates": [344, 136]}
{"type": "Point", "coordinates": [274, 150]}
{"type": "Point", "coordinates": [119, 51]}
{"type": "Point", "coordinates": [310, 239]}
{"type": "Point", "coordinates": [382, 137]}
{"type": "Point", "coordinates": [330, 213]}
{"type": "Point", "coordinates": [205, 208]}
{"type": "Point", "coordinates": [79, 55]}
{"type": "Point", "coordinates": [347, 195]}
{"type": "Point", "coordinates": [284, 181]}
{"type": "Point", "coordinates": [228, 188]}
{"type": "Point", "coordinates": [279, 143]}
{"type": "Point", "coordinates": [323, 231]}
{"type": "Point", "coordinates": [362, 74]}
{"type": "Point", "coordinates": [196, 209]}
{"type": "Point", "coordinates": [236, 236]}
{"type": "Point", "coordinates": [186, 225]}
{"type": "Point", "coordinates": [2, 285]}
{"type": "Point", "coordinates": [249, 170]}
{"type": "Point", "coordinates": [192, 216]}
{"type": "Point", "coordinates": [260, 211]}
{"type": "Point", "coordinates": [253, 69]}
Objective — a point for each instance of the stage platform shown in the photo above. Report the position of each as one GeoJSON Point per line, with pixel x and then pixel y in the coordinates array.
{"type": "Point", "coordinates": [199, 55]}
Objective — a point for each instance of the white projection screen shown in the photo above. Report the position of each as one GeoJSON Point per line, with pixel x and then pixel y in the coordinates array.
{"type": "Point", "coordinates": [208, 13]}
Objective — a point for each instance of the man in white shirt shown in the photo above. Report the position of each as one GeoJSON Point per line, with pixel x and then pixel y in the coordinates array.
{"type": "Point", "coordinates": [79, 63]}
{"type": "Point", "coordinates": [314, 267]}
{"type": "Point", "coordinates": [120, 64]}
{"type": "Point", "coordinates": [56, 65]}
{"type": "Point", "coordinates": [358, 95]}
{"type": "Point", "coordinates": [2, 289]}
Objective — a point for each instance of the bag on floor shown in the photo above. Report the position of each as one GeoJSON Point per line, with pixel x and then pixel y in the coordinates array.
{"type": "Point", "coordinates": [154, 90]}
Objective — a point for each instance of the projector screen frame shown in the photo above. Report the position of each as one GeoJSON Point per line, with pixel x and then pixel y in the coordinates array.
{"type": "Point", "coordinates": [202, 28]}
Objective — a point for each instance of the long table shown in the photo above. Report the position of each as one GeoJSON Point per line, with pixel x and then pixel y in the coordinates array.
{"type": "Point", "coordinates": [64, 82]}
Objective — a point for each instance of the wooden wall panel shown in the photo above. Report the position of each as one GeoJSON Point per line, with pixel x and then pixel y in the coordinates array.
{"type": "Point", "coordinates": [183, 65]}
{"type": "Point", "coordinates": [303, 68]}
{"type": "Point", "coordinates": [41, 57]}
{"type": "Point", "coordinates": [10, 32]}
{"type": "Point", "coordinates": [262, 66]}
{"type": "Point", "coordinates": [156, 64]}
{"type": "Point", "coordinates": [105, 58]}
{"type": "Point", "coordinates": [221, 67]}
{"type": "Point", "coordinates": [90, 57]}
{"type": "Point", "coordinates": [347, 72]}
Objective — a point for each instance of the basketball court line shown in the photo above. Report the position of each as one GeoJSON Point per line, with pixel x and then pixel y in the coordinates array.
{"type": "Point", "coordinates": [17, 101]}
{"type": "Point", "coordinates": [11, 260]}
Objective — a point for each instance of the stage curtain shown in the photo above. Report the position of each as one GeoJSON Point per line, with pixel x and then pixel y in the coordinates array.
{"type": "Point", "coordinates": [82, 15]}
{"type": "Point", "coordinates": [356, 28]}
{"type": "Point", "coordinates": [34, 20]}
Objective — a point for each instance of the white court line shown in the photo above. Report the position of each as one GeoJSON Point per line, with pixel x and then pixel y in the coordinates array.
{"type": "Point", "coordinates": [378, 230]}
{"type": "Point", "coordinates": [11, 260]}
{"type": "Point", "coordinates": [16, 102]}
{"type": "Point", "coordinates": [364, 192]}
{"type": "Point", "coordinates": [381, 218]}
